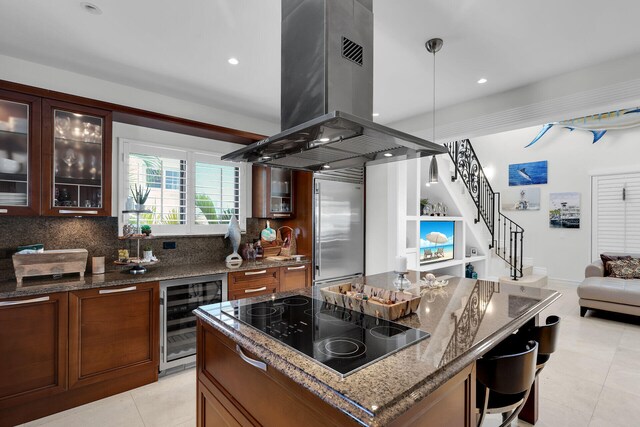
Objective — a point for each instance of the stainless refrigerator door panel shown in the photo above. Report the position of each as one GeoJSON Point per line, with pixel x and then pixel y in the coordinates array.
{"type": "Point", "coordinates": [339, 247]}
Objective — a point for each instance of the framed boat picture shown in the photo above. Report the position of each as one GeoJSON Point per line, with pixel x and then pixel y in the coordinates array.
{"type": "Point", "coordinates": [531, 173]}
{"type": "Point", "coordinates": [564, 210]}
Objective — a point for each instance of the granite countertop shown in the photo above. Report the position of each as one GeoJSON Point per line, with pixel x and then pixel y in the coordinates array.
{"type": "Point", "coordinates": [465, 319]}
{"type": "Point", "coordinates": [47, 285]}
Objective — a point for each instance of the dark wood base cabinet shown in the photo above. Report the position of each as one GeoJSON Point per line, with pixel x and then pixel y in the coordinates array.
{"type": "Point", "coordinates": [233, 392]}
{"type": "Point", "coordinates": [66, 349]}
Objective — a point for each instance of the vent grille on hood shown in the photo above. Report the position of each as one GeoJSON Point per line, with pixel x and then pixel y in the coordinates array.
{"type": "Point", "coordinates": [327, 94]}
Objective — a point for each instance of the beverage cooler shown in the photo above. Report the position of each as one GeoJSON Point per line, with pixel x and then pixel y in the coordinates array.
{"type": "Point", "coordinates": [178, 299]}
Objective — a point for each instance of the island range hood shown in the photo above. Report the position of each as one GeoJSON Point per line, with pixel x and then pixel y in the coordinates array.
{"type": "Point", "coordinates": [327, 94]}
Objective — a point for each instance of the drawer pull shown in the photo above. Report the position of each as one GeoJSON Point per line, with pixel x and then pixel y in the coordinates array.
{"type": "Point", "coordinates": [24, 301]}
{"type": "Point", "coordinates": [67, 211]}
{"type": "Point", "coordinates": [258, 364]}
{"type": "Point", "coordinates": [249, 291]}
{"type": "Point", "coordinates": [113, 291]}
{"type": "Point", "coordinates": [301, 267]}
{"type": "Point", "coordinates": [3, 211]}
{"type": "Point", "coordinates": [253, 273]}
{"type": "Point", "coordinates": [281, 215]}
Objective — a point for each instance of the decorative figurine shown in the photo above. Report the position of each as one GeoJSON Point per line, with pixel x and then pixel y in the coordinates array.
{"type": "Point", "coordinates": [233, 233]}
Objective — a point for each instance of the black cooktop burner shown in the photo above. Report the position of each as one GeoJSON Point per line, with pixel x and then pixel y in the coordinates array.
{"type": "Point", "coordinates": [341, 339]}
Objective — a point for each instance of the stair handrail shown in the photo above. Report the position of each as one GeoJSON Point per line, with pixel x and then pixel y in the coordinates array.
{"type": "Point", "coordinates": [468, 167]}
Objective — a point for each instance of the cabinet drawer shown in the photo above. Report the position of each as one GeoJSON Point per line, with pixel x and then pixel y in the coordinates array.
{"type": "Point", "coordinates": [113, 332]}
{"type": "Point", "coordinates": [33, 348]}
{"type": "Point", "coordinates": [215, 410]}
{"type": "Point", "coordinates": [294, 277]}
{"type": "Point", "coordinates": [254, 278]}
{"type": "Point", "coordinates": [254, 291]}
{"type": "Point", "coordinates": [224, 366]}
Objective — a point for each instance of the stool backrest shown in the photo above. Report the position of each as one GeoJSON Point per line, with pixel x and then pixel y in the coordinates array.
{"type": "Point", "coordinates": [546, 335]}
{"type": "Point", "coordinates": [511, 368]}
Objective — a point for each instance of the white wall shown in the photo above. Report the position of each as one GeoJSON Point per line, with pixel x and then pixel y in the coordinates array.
{"type": "Point", "coordinates": [30, 73]}
{"type": "Point", "coordinates": [572, 159]}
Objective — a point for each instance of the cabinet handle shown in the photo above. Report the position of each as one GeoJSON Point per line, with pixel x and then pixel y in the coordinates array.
{"type": "Point", "coordinates": [258, 364]}
{"type": "Point", "coordinates": [24, 301]}
{"type": "Point", "coordinates": [66, 211]}
{"type": "Point", "coordinates": [3, 211]}
{"type": "Point", "coordinates": [301, 267]}
{"type": "Point", "coordinates": [248, 291]}
{"type": "Point", "coordinates": [113, 291]}
{"type": "Point", "coordinates": [253, 273]}
{"type": "Point", "coordinates": [275, 215]}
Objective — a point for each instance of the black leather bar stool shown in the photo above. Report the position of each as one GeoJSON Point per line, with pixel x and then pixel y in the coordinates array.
{"type": "Point", "coordinates": [547, 338]}
{"type": "Point", "coordinates": [504, 377]}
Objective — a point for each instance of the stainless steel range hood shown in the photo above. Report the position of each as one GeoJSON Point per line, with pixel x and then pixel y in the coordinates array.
{"type": "Point", "coordinates": [327, 94]}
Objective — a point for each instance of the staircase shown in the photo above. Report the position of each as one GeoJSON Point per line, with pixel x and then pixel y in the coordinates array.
{"type": "Point", "coordinates": [507, 237]}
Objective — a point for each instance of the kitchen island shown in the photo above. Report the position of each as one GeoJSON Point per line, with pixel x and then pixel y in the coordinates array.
{"type": "Point", "coordinates": [246, 376]}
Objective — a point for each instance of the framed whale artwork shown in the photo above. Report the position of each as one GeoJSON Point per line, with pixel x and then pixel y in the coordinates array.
{"type": "Point", "coordinates": [531, 173]}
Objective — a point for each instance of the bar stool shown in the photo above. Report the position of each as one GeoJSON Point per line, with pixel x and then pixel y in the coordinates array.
{"type": "Point", "coordinates": [504, 377]}
{"type": "Point", "coordinates": [547, 338]}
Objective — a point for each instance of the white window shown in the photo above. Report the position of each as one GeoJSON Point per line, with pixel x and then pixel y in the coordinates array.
{"type": "Point", "coordinates": [615, 214]}
{"type": "Point", "coordinates": [190, 192]}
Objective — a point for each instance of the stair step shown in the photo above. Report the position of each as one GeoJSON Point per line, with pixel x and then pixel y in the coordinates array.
{"type": "Point", "coordinates": [535, 280]}
{"type": "Point", "coordinates": [527, 270]}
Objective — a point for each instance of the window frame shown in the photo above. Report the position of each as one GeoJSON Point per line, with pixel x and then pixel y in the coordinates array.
{"type": "Point", "coordinates": [190, 156]}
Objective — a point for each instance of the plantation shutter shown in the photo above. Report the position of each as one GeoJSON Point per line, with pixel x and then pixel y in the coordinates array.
{"type": "Point", "coordinates": [217, 191]}
{"type": "Point", "coordinates": [616, 214]}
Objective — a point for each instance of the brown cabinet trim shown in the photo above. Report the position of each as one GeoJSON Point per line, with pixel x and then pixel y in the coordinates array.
{"type": "Point", "coordinates": [48, 106]}
{"type": "Point", "coordinates": [35, 121]}
{"type": "Point", "coordinates": [140, 117]}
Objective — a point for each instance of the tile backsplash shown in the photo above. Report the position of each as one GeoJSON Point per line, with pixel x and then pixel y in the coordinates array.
{"type": "Point", "coordinates": [100, 237]}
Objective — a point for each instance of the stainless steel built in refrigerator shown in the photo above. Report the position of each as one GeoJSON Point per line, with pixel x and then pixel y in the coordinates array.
{"type": "Point", "coordinates": [339, 226]}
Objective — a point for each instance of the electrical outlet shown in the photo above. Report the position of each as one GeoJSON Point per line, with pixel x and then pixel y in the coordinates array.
{"type": "Point", "coordinates": [168, 245]}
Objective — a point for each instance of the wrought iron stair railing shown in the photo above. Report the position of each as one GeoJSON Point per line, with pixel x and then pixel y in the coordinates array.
{"type": "Point", "coordinates": [507, 237]}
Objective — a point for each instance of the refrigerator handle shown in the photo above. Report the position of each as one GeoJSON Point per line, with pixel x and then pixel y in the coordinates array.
{"type": "Point", "coordinates": [318, 221]}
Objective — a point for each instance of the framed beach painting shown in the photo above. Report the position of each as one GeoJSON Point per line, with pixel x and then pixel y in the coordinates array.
{"type": "Point", "coordinates": [564, 210]}
{"type": "Point", "coordinates": [521, 199]}
{"type": "Point", "coordinates": [531, 173]}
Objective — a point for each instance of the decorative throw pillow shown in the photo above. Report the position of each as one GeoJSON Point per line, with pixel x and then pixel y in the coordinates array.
{"type": "Point", "coordinates": [606, 258]}
{"type": "Point", "coordinates": [625, 268]}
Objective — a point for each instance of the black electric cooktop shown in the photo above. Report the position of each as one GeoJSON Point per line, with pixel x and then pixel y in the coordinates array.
{"type": "Point", "coordinates": [343, 340]}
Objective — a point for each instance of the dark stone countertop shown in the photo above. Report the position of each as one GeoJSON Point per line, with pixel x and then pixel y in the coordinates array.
{"type": "Point", "coordinates": [47, 285]}
{"type": "Point", "coordinates": [465, 319]}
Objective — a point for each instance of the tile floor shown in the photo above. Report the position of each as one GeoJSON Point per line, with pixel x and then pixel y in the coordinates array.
{"type": "Point", "coordinates": [593, 380]}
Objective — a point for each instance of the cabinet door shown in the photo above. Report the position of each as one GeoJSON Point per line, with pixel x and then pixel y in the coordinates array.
{"type": "Point", "coordinates": [294, 277]}
{"type": "Point", "coordinates": [215, 410]}
{"type": "Point", "coordinates": [273, 192]}
{"type": "Point", "coordinates": [113, 332]}
{"type": "Point", "coordinates": [76, 158]}
{"type": "Point", "coordinates": [33, 348]}
{"type": "Point", "coordinates": [19, 154]}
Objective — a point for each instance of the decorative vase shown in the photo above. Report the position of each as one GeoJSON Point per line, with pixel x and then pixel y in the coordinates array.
{"type": "Point", "coordinates": [131, 204]}
{"type": "Point", "coordinates": [147, 255]}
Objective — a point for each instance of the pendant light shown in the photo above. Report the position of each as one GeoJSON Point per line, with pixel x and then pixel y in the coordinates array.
{"type": "Point", "coordinates": [433, 46]}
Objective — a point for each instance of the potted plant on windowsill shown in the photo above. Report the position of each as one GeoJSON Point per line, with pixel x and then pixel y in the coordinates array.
{"type": "Point", "coordinates": [140, 196]}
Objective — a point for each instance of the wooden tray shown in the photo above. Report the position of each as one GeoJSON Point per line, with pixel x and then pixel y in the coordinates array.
{"type": "Point", "coordinates": [47, 263]}
{"type": "Point", "coordinates": [402, 304]}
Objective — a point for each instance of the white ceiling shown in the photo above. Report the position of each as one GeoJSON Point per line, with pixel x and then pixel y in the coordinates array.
{"type": "Point", "coordinates": [166, 47]}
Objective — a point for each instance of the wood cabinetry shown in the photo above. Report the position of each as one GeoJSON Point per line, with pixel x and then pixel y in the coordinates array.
{"type": "Point", "coordinates": [20, 120]}
{"type": "Point", "coordinates": [251, 283]}
{"type": "Point", "coordinates": [236, 388]}
{"type": "Point", "coordinates": [33, 348]}
{"type": "Point", "coordinates": [76, 159]}
{"type": "Point", "coordinates": [55, 157]}
{"type": "Point", "coordinates": [112, 332]}
{"type": "Point", "coordinates": [272, 192]}
{"type": "Point", "coordinates": [66, 349]}
{"type": "Point", "coordinates": [295, 277]}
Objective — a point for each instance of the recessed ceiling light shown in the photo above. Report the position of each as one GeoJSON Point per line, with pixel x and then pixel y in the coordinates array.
{"type": "Point", "coordinates": [233, 61]}
{"type": "Point", "coordinates": [388, 154]}
{"type": "Point", "coordinates": [482, 81]}
{"type": "Point", "coordinates": [324, 140]}
{"type": "Point", "coordinates": [91, 8]}
{"type": "Point", "coordinates": [375, 114]}
{"type": "Point", "coordinates": [326, 166]}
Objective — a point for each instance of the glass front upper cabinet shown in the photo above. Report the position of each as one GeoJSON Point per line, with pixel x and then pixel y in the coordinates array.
{"type": "Point", "coordinates": [80, 159]}
{"type": "Point", "coordinates": [281, 192]}
{"type": "Point", "coordinates": [19, 154]}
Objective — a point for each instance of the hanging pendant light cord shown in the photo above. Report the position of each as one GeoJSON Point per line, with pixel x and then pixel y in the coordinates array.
{"type": "Point", "coordinates": [434, 98]}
